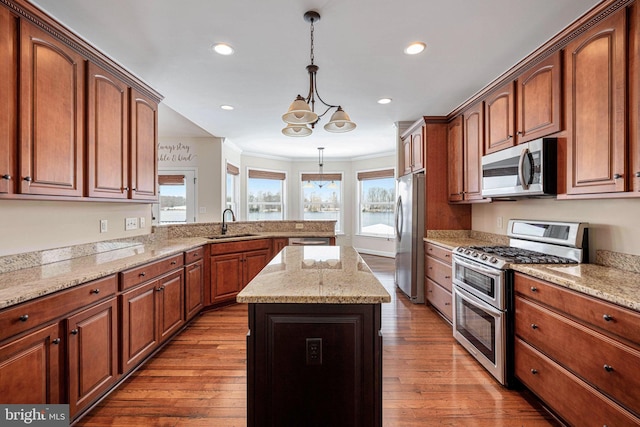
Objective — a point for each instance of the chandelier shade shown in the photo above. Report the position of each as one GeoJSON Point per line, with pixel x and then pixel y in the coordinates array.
{"type": "Point", "coordinates": [302, 110]}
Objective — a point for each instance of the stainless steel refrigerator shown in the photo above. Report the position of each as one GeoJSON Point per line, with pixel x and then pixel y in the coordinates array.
{"type": "Point", "coordinates": [409, 223]}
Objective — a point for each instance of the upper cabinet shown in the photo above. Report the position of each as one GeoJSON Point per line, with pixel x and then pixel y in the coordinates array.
{"type": "Point", "coordinates": [473, 131]}
{"type": "Point", "coordinates": [498, 119]}
{"type": "Point", "coordinates": [596, 108]}
{"type": "Point", "coordinates": [144, 147]}
{"type": "Point", "coordinates": [8, 100]}
{"type": "Point", "coordinates": [412, 159]}
{"type": "Point", "coordinates": [51, 115]}
{"type": "Point", "coordinates": [634, 100]}
{"type": "Point", "coordinates": [455, 176]}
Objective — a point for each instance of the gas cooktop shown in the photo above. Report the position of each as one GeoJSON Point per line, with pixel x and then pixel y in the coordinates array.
{"type": "Point", "coordinates": [500, 255]}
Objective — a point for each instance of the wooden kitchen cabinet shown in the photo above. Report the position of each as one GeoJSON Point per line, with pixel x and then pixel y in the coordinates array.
{"type": "Point", "coordinates": [578, 344]}
{"type": "Point", "coordinates": [595, 103]}
{"type": "Point", "coordinates": [413, 148]}
{"type": "Point", "coordinates": [465, 141]}
{"type": "Point", "coordinates": [499, 111]}
{"type": "Point", "coordinates": [233, 265]}
{"type": "Point", "coordinates": [30, 367]}
{"type": "Point", "coordinates": [92, 349]}
{"type": "Point", "coordinates": [107, 135]}
{"type": "Point", "coordinates": [193, 281]}
{"type": "Point", "coordinates": [144, 148]}
{"type": "Point", "coordinates": [278, 244]}
{"type": "Point", "coordinates": [634, 99]}
{"type": "Point", "coordinates": [8, 100]}
{"type": "Point", "coordinates": [437, 280]}
{"type": "Point", "coordinates": [51, 115]}
{"type": "Point", "coordinates": [455, 151]}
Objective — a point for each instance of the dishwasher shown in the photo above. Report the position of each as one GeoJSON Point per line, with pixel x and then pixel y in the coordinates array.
{"type": "Point", "coordinates": [309, 241]}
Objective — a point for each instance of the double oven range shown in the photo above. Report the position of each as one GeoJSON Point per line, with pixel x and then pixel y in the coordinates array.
{"type": "Point", "coordinates": [483, 297]}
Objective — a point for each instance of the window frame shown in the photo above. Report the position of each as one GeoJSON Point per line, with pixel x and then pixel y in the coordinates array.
{"type": "Point", "coordinates": [191, 180]}
{"type": "Point", "coordinates": [234, 172]}
{"type": "Point", "coordinates": [369, 175]}
{"type": "Point", "coordinates": [265, 174]}
{"type": "Point", "coordinates": [329, 176]}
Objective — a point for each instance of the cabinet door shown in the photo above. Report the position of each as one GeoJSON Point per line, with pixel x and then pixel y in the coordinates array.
{"type": "Point", "coordinates": [406, 156]}
{"type": "Point", "coordinates": [278, 244]}
{"type": "Point", "coordinates": [194, 288]}
{"type": "Point", "coordinates": [139, 325]}
{"type": "Point", "coordinates": [8, 100]}
{"type": "Point", "coordinates": [595, 103]}
{"type": "Point", "coordinates": [417, 151]}
{"type": "Point", "coordinates": [144, 147]}
{"type": "Point", "coordinates": [499, 119]}
{"type": "Point", "coordinates": [226, 276]}
{"type": "Point", "coordinates": [51, 115]}
{"type": "Point", "coordinates": [170, 291]}
{"type": "Point", "coordinates": [455, 160]}
{"type": "Point", "coordinates": [634, 98]}
{"type": "Point", "coordinates": [254, 261]}
{"type": "Point", "coordinates": [92, 354]}
{"type": "Point", "coordinates": [30, 368]}
{"type": "Point", "coordinates": [107, 135]}
{"type": "Point", "coordinates": [473, 145]}
{"type": "Point", "coordinates": [539, 100]}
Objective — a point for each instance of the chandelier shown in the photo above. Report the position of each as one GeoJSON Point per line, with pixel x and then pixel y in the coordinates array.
{"type": "Point", "coordinates": [300, 114]}
{"type": "Point", "coordinates": [321, 182]}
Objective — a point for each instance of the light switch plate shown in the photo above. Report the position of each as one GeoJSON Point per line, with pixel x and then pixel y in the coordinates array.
{"type": "Point", "coordinates": [104, 226]}
{"type": "Point", "coordinates": [141, 222]}
{"type": "Point", "coordinates": [299, 226]}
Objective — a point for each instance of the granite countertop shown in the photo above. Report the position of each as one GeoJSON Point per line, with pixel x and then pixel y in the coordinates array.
{"type": "Point", "coordinates": [611, 284]}
{"type": "Point", "coordinates": [30, 283]}
{"type": "Point", "coordinates": [315, 275]}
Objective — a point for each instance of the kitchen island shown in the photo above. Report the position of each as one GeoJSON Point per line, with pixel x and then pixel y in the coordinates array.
{"type": "Point", "coordinates": [314, 347]}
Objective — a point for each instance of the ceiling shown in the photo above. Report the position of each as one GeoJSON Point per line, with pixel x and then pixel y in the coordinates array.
{"type": "Point", "coordinates": [358, 47]}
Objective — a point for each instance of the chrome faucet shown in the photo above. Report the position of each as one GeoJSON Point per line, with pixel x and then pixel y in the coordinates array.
{"type": "Point", "coordinates": [224, 222]}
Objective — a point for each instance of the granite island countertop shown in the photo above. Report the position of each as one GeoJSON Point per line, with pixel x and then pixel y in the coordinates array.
{"type": "Point", "coordinates": [29, 283]}
{"type": "Point", "coordinates": [315, 275]}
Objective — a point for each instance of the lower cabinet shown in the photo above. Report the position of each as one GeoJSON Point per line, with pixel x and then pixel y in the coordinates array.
{"type": "Point", "coordinates": [92, 356]}
{"type": "Point", "coordinates": [193, 282]}
{"type": "Point", "coordinates": [30, 368]}
{"type": "Point", "coordinates": [437, 280]}
{"type": "Point", "coordinates": [233, 265]}
{"type": "Point", "coordinates": [570, 344]}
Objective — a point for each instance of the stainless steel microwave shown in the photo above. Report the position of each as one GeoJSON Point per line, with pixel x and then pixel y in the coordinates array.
{"type": "Point", "coordinates": [528, 169]}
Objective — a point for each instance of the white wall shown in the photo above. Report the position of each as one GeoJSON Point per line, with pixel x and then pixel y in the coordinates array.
{"type": "Point", "coordinates": [613, 223]}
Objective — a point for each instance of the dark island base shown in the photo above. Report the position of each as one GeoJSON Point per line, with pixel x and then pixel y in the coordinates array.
{"type": "Point", "coordinates": [314, 365]}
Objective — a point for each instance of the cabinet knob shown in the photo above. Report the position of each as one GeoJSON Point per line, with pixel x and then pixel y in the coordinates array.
{"type": "Point", "coordinates": [24, 317]}
{"type": "Point", "coordinates": [74, 332]}
{"type": "Point", "coordinates": [160, 288]}
{"type": "Point", "coordinates": [95, 291]}
{"type": "Point", "coordinates": [608, 368]}
{"type": "Point", "coordinates": [519, 133]}
{"type": "Point", "coordinates": [607, 317]}
{"type": "Point", "coordinates": [142, 274]}
{"type": "Point", "coordinates": [28, 179]}
{"type": "Point", "coordinates": [134, 189]}
{"type": "Point", "coordinates": [534, 289]}
{"type": "Point", "coordinates": [446, 255]}
{"type": "Point", "coordinates": [173, 263]}
{"type": "Point", "coordinates": [617, 176]}
{"type": "Point", "coordinates": [447, 303]}
{"type": "Point", "coordinates": [56, 341]}
{"type": "Point", "coordinates": [509, 136]}
{"type": "Point", "coordinates": [6, 176]}
{"type": "Point", "coordinates": [637, 174]}
{"type": "Point", "coordinates": [534, 326]}
{"type": "Point", "coordinates": [534, 371]}
{"type": "Point", "coordinates": [447, 277]}
{"type": "Point", "coordinates": [430, 268]}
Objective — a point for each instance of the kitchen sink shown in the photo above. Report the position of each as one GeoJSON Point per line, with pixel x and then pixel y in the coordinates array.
{"type": "Point", "coordinates": [230, 236]}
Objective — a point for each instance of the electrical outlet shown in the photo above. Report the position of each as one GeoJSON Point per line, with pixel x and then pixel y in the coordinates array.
{"type": "Point", "coordinates": [141, 222]}
{"type": "Point", "coordinates": [130, 223]}
{"type": "Point", "coordinates": [314, 351]}
{"type": "Point", "coordinates": [299, 226]}
{"type": "Point", "coordinates": [202, 209]}
{"type": "Point", "coordinates": [499, 223]}
{"type": "Point", "coordinates": [104, 227]}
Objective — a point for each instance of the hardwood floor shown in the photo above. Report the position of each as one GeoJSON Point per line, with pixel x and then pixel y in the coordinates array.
{"type": "Point", "coordinates": [199, 379]}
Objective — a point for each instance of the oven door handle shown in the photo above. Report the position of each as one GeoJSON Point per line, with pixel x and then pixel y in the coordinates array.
{"type": "Point", "coordinates": [524, 182]}
{"type": "Point", "coordinates": [477, 267]}
{"type": "Point", "coordinates": [477, 302]}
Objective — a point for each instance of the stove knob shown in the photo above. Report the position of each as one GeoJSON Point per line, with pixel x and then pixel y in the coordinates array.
{"type": "Point", "coordinates": [460, 249]}
{"type": "Point", "coordinates": [475, 254]}
{"type": "Point", "coordinates": [493, 260]}
{"type": "Point", "coordinates": [484, 257]}
{"type": "Point", "coordinates": [467, 252]}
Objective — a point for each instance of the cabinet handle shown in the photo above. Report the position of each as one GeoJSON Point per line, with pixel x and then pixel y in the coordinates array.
{"type": "Point", "coordinates": [447, 277]}
{"type": "Point", "coordinates": [534, 289]}
{"type": "Point", "coordinates": [134, 189]}
{"type": "Point", "coordinates": [534, 371]}
{"type": "Point", "coordinates": [617, 176]}
{"type": "Point", "coordinates": [447, 303]}
{"type": "Point", "coordinates": [74, 332]}
{"type": "Point", "coordinates": [142, 274]}
{"type": "Point", "coordinates": [608, 368]}
{"type": "Point", "coordinates": [160, 288]}
{"type": "Point", "coordinates": [56, 341]}
{"type": "Point", "coordinates": [607, 317]}
{"type": "Point", "coordinates": [24, 317]}
{"type": "Point", "coordinates": [534, 326]}
{"type": "Point", "coordinates": [173, 263]}
{"type": "Point", "coordinates": [446, 255]}
{"type": "Point", "coordinates": [6, 176]}
{"type": "Point", "coordinates": [95, 291]}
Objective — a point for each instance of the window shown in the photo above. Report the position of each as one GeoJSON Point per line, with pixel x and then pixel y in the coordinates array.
{"type": "Point", "coordinates": [177, 197]}
{"type": "Point", "coordinates": [377, 190]}
{"type": "Point", "coordinates": [322, 197]}
{"type": "Point", "coordinates": [265, 193]}
{"type": "Point", "coordinates": [232, 187]}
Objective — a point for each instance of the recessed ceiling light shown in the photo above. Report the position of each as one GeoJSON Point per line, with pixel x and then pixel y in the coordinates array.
{"type": "Point", "coordinates": [415, 48]}
{"type": "Point", "coordinates": [223, 49]}
{"type": "Point", "coordinates": [384, 100]}
{"type": "Point", "coordinates": [227, 107]}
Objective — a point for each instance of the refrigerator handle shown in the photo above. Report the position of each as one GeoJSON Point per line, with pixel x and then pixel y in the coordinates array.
{"type": "Point", "coordinates": [399, 219]}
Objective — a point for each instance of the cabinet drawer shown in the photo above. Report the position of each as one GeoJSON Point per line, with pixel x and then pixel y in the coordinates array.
{"type": "Point", "coordinates": [553, 384]}
{"type": "Point", "coordinates": [438, 252]}
{"type": "Point", "coordinates": [610, 366]}
{"type": "Point", "coordinates": [25, 316]}
{"type": "Point", "coordinates": [440, 298]}
{"type": "Point", "coordinates": [137, 275]}
{"type": "Point", "coordinates": [439, 272]}
{"type": "Point", "coordinates": [193, 255]}
{"type": "Point", "coordinates": [239, 246]}
{"type": "Point", "coordinates": [608, 317]}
